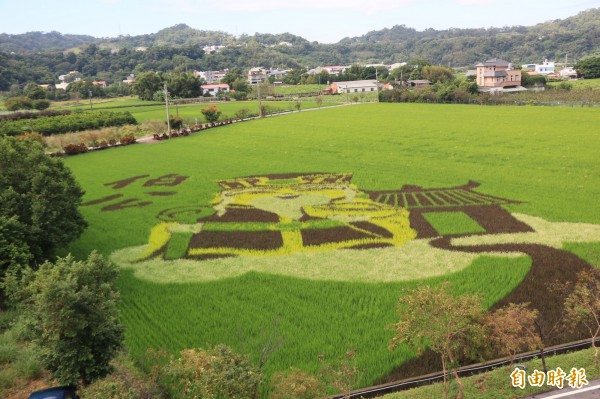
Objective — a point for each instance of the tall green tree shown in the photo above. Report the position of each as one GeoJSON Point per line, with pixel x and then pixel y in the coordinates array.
{"type": "Point", "coordinates": [146, 84]}
{"type": "Point", "coordinates": [183, 85]}
{"type": "Point", "coordinates": [73, 317]}
{"type": "Point", "coordinates": [589, 67]}
{"type": "Point", "coordinates": [41, 197]}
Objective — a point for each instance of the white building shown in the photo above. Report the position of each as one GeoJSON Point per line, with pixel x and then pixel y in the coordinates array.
{"type": "Point", "coordinates": [357, 86]}
{"type": "Point", "coordinates": [213, 90]}
{"type": "Point", "coordinates": [544, 68]}
{"type": "Point", "coordinates": [257, 75]}
{"type": "Point", "coordinates": [211, 77]}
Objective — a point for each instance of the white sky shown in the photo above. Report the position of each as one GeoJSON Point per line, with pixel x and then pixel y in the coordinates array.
{"type": "Point", "coordinates": [325, 21]}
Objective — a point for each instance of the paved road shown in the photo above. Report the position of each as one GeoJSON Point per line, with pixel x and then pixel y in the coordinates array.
{"type": "Point", "coordinates": [591, 391]}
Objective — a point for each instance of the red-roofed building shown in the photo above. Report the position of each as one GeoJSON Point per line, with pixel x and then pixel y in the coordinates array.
{"type": "Point", "coordinates": [100, 83]}
{"type": "Point", "coordinates": [214, 89]}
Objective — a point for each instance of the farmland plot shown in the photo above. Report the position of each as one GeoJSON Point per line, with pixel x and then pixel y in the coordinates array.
{"type": "Point", "coordinates": [315, 223]}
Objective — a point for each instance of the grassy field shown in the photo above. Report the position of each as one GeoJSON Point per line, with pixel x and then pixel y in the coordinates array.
{"type": "Point", "coordinates": [544, 157]}
{"type": "Point", "coordinates": [497, 384]}
{"type": "Point", "coordinates": [580, 84]}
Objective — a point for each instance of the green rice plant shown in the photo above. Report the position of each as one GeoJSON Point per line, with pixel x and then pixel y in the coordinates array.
{"type": "Point", "coordinates": [546, 158]}
{"type": "Point", "coordinates": [178, 245]}
{"type": "Point", "coordinates": [451, 223]}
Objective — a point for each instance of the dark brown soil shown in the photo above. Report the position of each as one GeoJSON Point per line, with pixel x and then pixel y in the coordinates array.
{"type": "Point", "coordinates": [336, 234]}
{"type": "Point", "coordinates": [244, 215]}
{"type": "Point", "coordinates": [549, 265]}
{"type": "Point", "coordinates": [161, 193]}
{"type": "Point", "coordinates": [493, 218]}
{"type": "Point", "coordinates": [260, 240]}
{"type": "Point", "coordinates": [170, 180]}
{"type": "Point", "coordinates": [371, 246]}
{"type": "Point", "coordinates": [128, 203]}
{"type": "Point", "coordinates": [373, 228]}
{"type": "Point", "coordinates": [101, 200]}
{"type": "Point", "coordinates": [125, 182]}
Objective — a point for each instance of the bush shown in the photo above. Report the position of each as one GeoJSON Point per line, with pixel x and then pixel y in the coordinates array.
{"type": "Point", "coordinates": [40, 104]}
{"type": "Point", "coordinates": [73, 149]}
{"type": "Point", "coordinates": [211, 114]}
{"type": "Point", "coordinates": [296, 384]}
{"type": "Point", "coordinates": [74, 122]}
{"type": "Point", "coordinates": [16, 103]}
{"type": "Point", "coordinates": [127, 139]}
{"type": "Point", "coordinates": [218, 372]}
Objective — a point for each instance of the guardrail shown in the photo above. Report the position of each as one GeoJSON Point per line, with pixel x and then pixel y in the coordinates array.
{"type": "Point", "coordinates": [465, 371]}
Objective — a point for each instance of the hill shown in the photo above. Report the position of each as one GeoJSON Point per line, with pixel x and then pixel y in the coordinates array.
{"type": "Point", "coordinates": [41, 57]}
{"type": "Point", "coordinates": [40, 41]}
{"type": "Point", "coordinates": [576, 36]}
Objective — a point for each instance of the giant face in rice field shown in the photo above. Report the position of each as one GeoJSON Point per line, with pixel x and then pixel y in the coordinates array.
{"type": "Point", "coordinates": [284, 214]}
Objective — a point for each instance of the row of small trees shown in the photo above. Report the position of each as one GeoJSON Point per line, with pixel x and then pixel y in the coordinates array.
{"type": "Point", "coordinates": [457, 327]}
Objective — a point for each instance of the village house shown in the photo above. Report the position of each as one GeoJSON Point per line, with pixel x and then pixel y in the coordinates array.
{"type": "Point", "coordinates": [545, 68]}
{"type": "Point", "coordinates": [100, 83]}
{"type": "Point", "coordinates": [256, 75]}
{"type": "Point", "coordinates": [357, 86]}
{"type": "Point", "coordinates": [497, 75]}
{"type": "Point", "coordinates": [211, 77]}
{"type": "Point", "coordinates": [215, 89]}
{"type": "Point", "coordinates": [130, 79]}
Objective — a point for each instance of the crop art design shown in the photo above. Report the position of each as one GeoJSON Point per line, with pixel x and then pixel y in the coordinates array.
{"type": "Point", "coordinates": [275, 215]}
{"type": "Point", "coordinates": [279, 215]}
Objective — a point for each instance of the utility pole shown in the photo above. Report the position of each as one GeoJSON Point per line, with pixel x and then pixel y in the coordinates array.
{"type": "Point", "coordinates": [260, 110]}
{"type": "Point", "coordinates": [90, 94]}
{"type": "Point", "coordinates": [167, 106]}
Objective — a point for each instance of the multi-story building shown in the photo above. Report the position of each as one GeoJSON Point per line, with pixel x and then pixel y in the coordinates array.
{"type": "Point", "coordinates": [497, 73]}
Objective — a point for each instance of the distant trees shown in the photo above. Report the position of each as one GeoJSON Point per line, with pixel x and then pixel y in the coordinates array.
{"type": "Point", "coordinates": [179, 84]}
{"type": "Point", "coordinates": [146, 84]}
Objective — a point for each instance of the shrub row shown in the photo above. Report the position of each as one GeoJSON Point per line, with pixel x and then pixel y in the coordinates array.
{"type": "Point", "coordinates": [74, 122]}
{"type": "Point", "coordinates": [193, 129]}
{"type": "Point", "coordinates": [73, 149]}
{"type": "Point", "coordinates": [32, 115]}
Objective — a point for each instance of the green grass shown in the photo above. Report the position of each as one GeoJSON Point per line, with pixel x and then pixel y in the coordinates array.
{"type": "Point", "coordinates": [496, 384]}
{"type": "Point", "coordinates": [450, 223]}
{"type": "Point", "coordinates": [544, 157]}
{"type": "Point", "coordinates": [580, 84]}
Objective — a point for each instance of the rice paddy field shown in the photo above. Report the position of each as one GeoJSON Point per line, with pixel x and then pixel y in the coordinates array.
{"type": "Point", "coordinates": [310, 225]}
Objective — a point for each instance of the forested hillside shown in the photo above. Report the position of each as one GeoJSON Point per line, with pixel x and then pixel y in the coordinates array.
{"type": "Point", "coordinates": [179, 48]}
{"type": "Point", "coordinates": [38, 41]}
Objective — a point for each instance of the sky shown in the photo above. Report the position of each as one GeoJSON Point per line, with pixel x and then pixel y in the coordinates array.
{"type": "Point", "coordinates": [325, 21]}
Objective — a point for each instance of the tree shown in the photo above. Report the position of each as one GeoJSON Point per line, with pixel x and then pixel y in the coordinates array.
{"type": "Point", "coordinates": [449, 325]}
{"type": "Point", "coordinates": [589, 67]}
{"type": "Point", "coordinates": [296, 384]}
{"type": "Point", "coordinates": [72, 313]}
{"type": "Point", "coordinates": [146, 84]}
{"type": "Point", "coordinates": [40, 104]}
{"type": "Point", "coordinates": [582, 306]}
{"type": "Point", "coordinates": [184, 85]}
{"type": "Point", "coordinates": [512, 329]}
{"type": "Point", "coordinates": [217, 372]}
{"type": "Point", "coordinates": [211, 114]}
{"type": "Point", "coordinates": [34, 91]}
{"type": "Point", "coordinates": [440, 74]}
{"type": "Point", "coordinates": [41, 195]}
